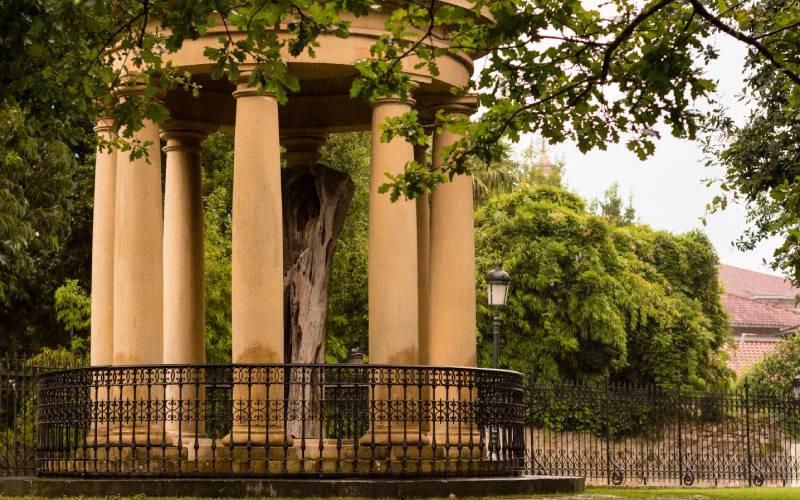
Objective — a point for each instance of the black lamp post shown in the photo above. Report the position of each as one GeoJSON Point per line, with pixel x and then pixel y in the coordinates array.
{"type": "Point", "coordinates": [497, 281]}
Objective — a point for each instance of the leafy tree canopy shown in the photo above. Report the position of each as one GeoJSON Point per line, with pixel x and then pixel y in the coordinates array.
{"type": "Point", "coordinates": [347, 306]}
{"type": "Point", "coordinates": [613, 207]}
{"type": "Point", "coordinates": [217, 163]}
{"type": "Point", "coordinates": [761, 158]}
{"type": "Point", "coordinates": [774, 374]}
{"type": "Point", "coordinates": [590, 299]}
{"type": "Point", "coordinates": [45, 223]}
{"type": "Point", "coordinates": [590, 73]}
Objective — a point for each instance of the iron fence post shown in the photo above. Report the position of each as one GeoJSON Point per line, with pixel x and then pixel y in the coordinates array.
{"type": "Point", "coordinates": [747, 432]}
{"type": "Point", "coordinates": [607, 433]}
{"type": "Point", "coordinates": [680, 435]}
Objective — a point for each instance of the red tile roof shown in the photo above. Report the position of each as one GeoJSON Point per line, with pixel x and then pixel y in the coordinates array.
{"type": "Point", "coordinates": [746, 283]}
{"type": "Point", "coordinates": [745, 354]}
{"type": "Point", "coordinates": [746, 312]}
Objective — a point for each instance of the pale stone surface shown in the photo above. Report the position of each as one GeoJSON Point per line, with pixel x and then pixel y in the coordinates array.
{"type": "Point", "coordinates": [399, 250]}
{"type": "Point", "coordinates": [138, 296]}
{"type": "Point", "coordinates": [257, 252]}
{"type": "Point", "coordinates": [393, 306]}
{"type": "Point", "coordinates": [392, 267]}
{"type": "Point", "coordinates": [257, 246]}
{"type": "Point", "coordinates": [452, 339]}
{"type": "Point", "coordinates": [103, 250]}
{"type": "Point", "coordinates": [423, 261]}
{"type": "Point", "coordinates": [184, 283]}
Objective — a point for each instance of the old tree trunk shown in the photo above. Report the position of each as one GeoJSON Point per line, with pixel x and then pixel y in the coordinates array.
{"type": "Point", "coordinates": [315, 201]}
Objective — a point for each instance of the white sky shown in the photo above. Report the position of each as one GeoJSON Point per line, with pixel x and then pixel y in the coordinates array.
{"type": "Point", "coordinates": [668, 188]}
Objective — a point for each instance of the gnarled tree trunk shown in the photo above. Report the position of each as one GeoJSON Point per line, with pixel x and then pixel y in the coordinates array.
{"type": "Point", "coordinates": [315, 201]}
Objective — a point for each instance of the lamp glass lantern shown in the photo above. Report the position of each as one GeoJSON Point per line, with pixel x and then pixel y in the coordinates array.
{"type": "Point", "coordinates": [497, 283]}
{"type": "Point", "coordinates": [796, 387]}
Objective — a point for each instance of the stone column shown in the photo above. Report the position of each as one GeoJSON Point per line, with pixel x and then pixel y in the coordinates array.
{"type": "Point", "coordinates": [393, 289]}
{"type": "Point", "coordinates": [452, 337]}
{"type": "Point", "coordinates": [257, 261]}
{"type": "Point", "coordinates": [184, 283]}
{"type": "Point", "coordinates": [392, 265]}
{"type": "Point", "coordinates": [138, 278]}
{"type": "Point", "coordinates": [102, 329]}
{"type": "Point", "coordinates": [423, 260]}
{"type": "Point", "coordinates": [103, 249]}
{"type": "Point", "coordinates": [138, 270]}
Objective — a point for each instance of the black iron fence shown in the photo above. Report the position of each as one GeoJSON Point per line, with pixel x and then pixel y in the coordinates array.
{"type": "Point", "coordinates": [19, 384]}
{"type": "Point", "coordinates": [626, 434]}
{"type": "Point", "coordinates": [280, 420]}
{"type": "Point", "coordinates": [366, 420]}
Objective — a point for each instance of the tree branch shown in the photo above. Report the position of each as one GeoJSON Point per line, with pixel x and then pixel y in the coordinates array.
{"type": "Point", "coordinates": [749, 40]}
{"type": "Point", "coordinates": [407, 52]}
{"type": "Point", "coordinates": [775, 32]}
{"type": "Point", "coordinates": [144, 24]}
{"type": "Point", "coordinates": [619, 40]}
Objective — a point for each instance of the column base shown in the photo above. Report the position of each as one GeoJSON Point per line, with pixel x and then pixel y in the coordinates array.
{"type": "Point", "coordinates": [241, 435]}
{"type": "Point", "coordinates": [156, 436]}
{"type": "Point", "coordinates": [455, 443]}
{"type": "Point", "coordinates": [397, 436]}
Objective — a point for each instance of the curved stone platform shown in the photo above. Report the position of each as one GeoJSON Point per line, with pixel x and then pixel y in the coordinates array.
{"type": "Point", "coordinates": [306, 487]}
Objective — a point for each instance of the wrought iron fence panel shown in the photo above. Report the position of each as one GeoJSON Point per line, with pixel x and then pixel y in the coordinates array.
{"type": "Point", "coordinates": [19, 383]}
{"type": "Point", "coordinates": [277, 420]}
{"type": "Point", "coordinates": [628, 434]}
{"type": "Point", "coordinates": [345, 419]}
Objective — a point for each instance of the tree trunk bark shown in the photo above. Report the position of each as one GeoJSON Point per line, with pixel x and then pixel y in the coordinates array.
{"type": "Point", "coordinates": [315, 201]}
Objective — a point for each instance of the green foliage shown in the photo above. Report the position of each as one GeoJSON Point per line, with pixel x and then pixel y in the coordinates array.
{"type": "Point", "coordinates": [347, 318]}
{"type": "Point", "coordinates": [45, 227]}
{"type": "Point", "coordinates": [60, 357]}
{"type": "Point", "coordinates": [217, 220]}
{"type": "Point", "coordinates": [589, 299]}
{"type": "Point", "coordinates": [217, 164]}
{"type": "Point", "coordinates": [347, 307]}
{"type": "Point", "coordinates": [569, 70]}
{"type": "Point", "coordinates": [35, 185]}
{"type": "Point", "coordinates": [774, 374]}
{"type": "Point", "coordinates": [613, 208]}
{"type": "Point", "coordinates": [608, 410]}
{"type": "Point", "coordinates": [761, 160]}
{"type": "Point", "coordinates": [74, 311]}
{"type": "Point", "coordinates": [762, 164]}
{"type": "Point", "coordinates": [499, 176]}
{"type": "Point", "coordinates": [503, 174]}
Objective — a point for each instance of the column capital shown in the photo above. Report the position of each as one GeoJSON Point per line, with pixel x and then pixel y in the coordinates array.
{"type": "Point", "coordinates": [421, 147]}
{"type": "Point", "coordinates": [184, 134]}
{"type": "Point", "coordinates": [105, 125]}
{"type": "Point", "coordinates": [302, 147]}
{"type": "Point", "coordinates": [132, 84]}
{"type": "Point", "coordinates": [244, 89]}
{"type": "Point", "coordinates": [462, 105]}
{"type": "Point", "coordinates": [394, 99]}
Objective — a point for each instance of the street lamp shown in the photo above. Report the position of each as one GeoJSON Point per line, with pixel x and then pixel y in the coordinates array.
{"type": "Point", "coordinates": [497, 281]}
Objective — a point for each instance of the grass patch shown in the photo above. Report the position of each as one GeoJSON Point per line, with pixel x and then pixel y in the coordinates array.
{"type": "Point", "coordinates": [744, 493]}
